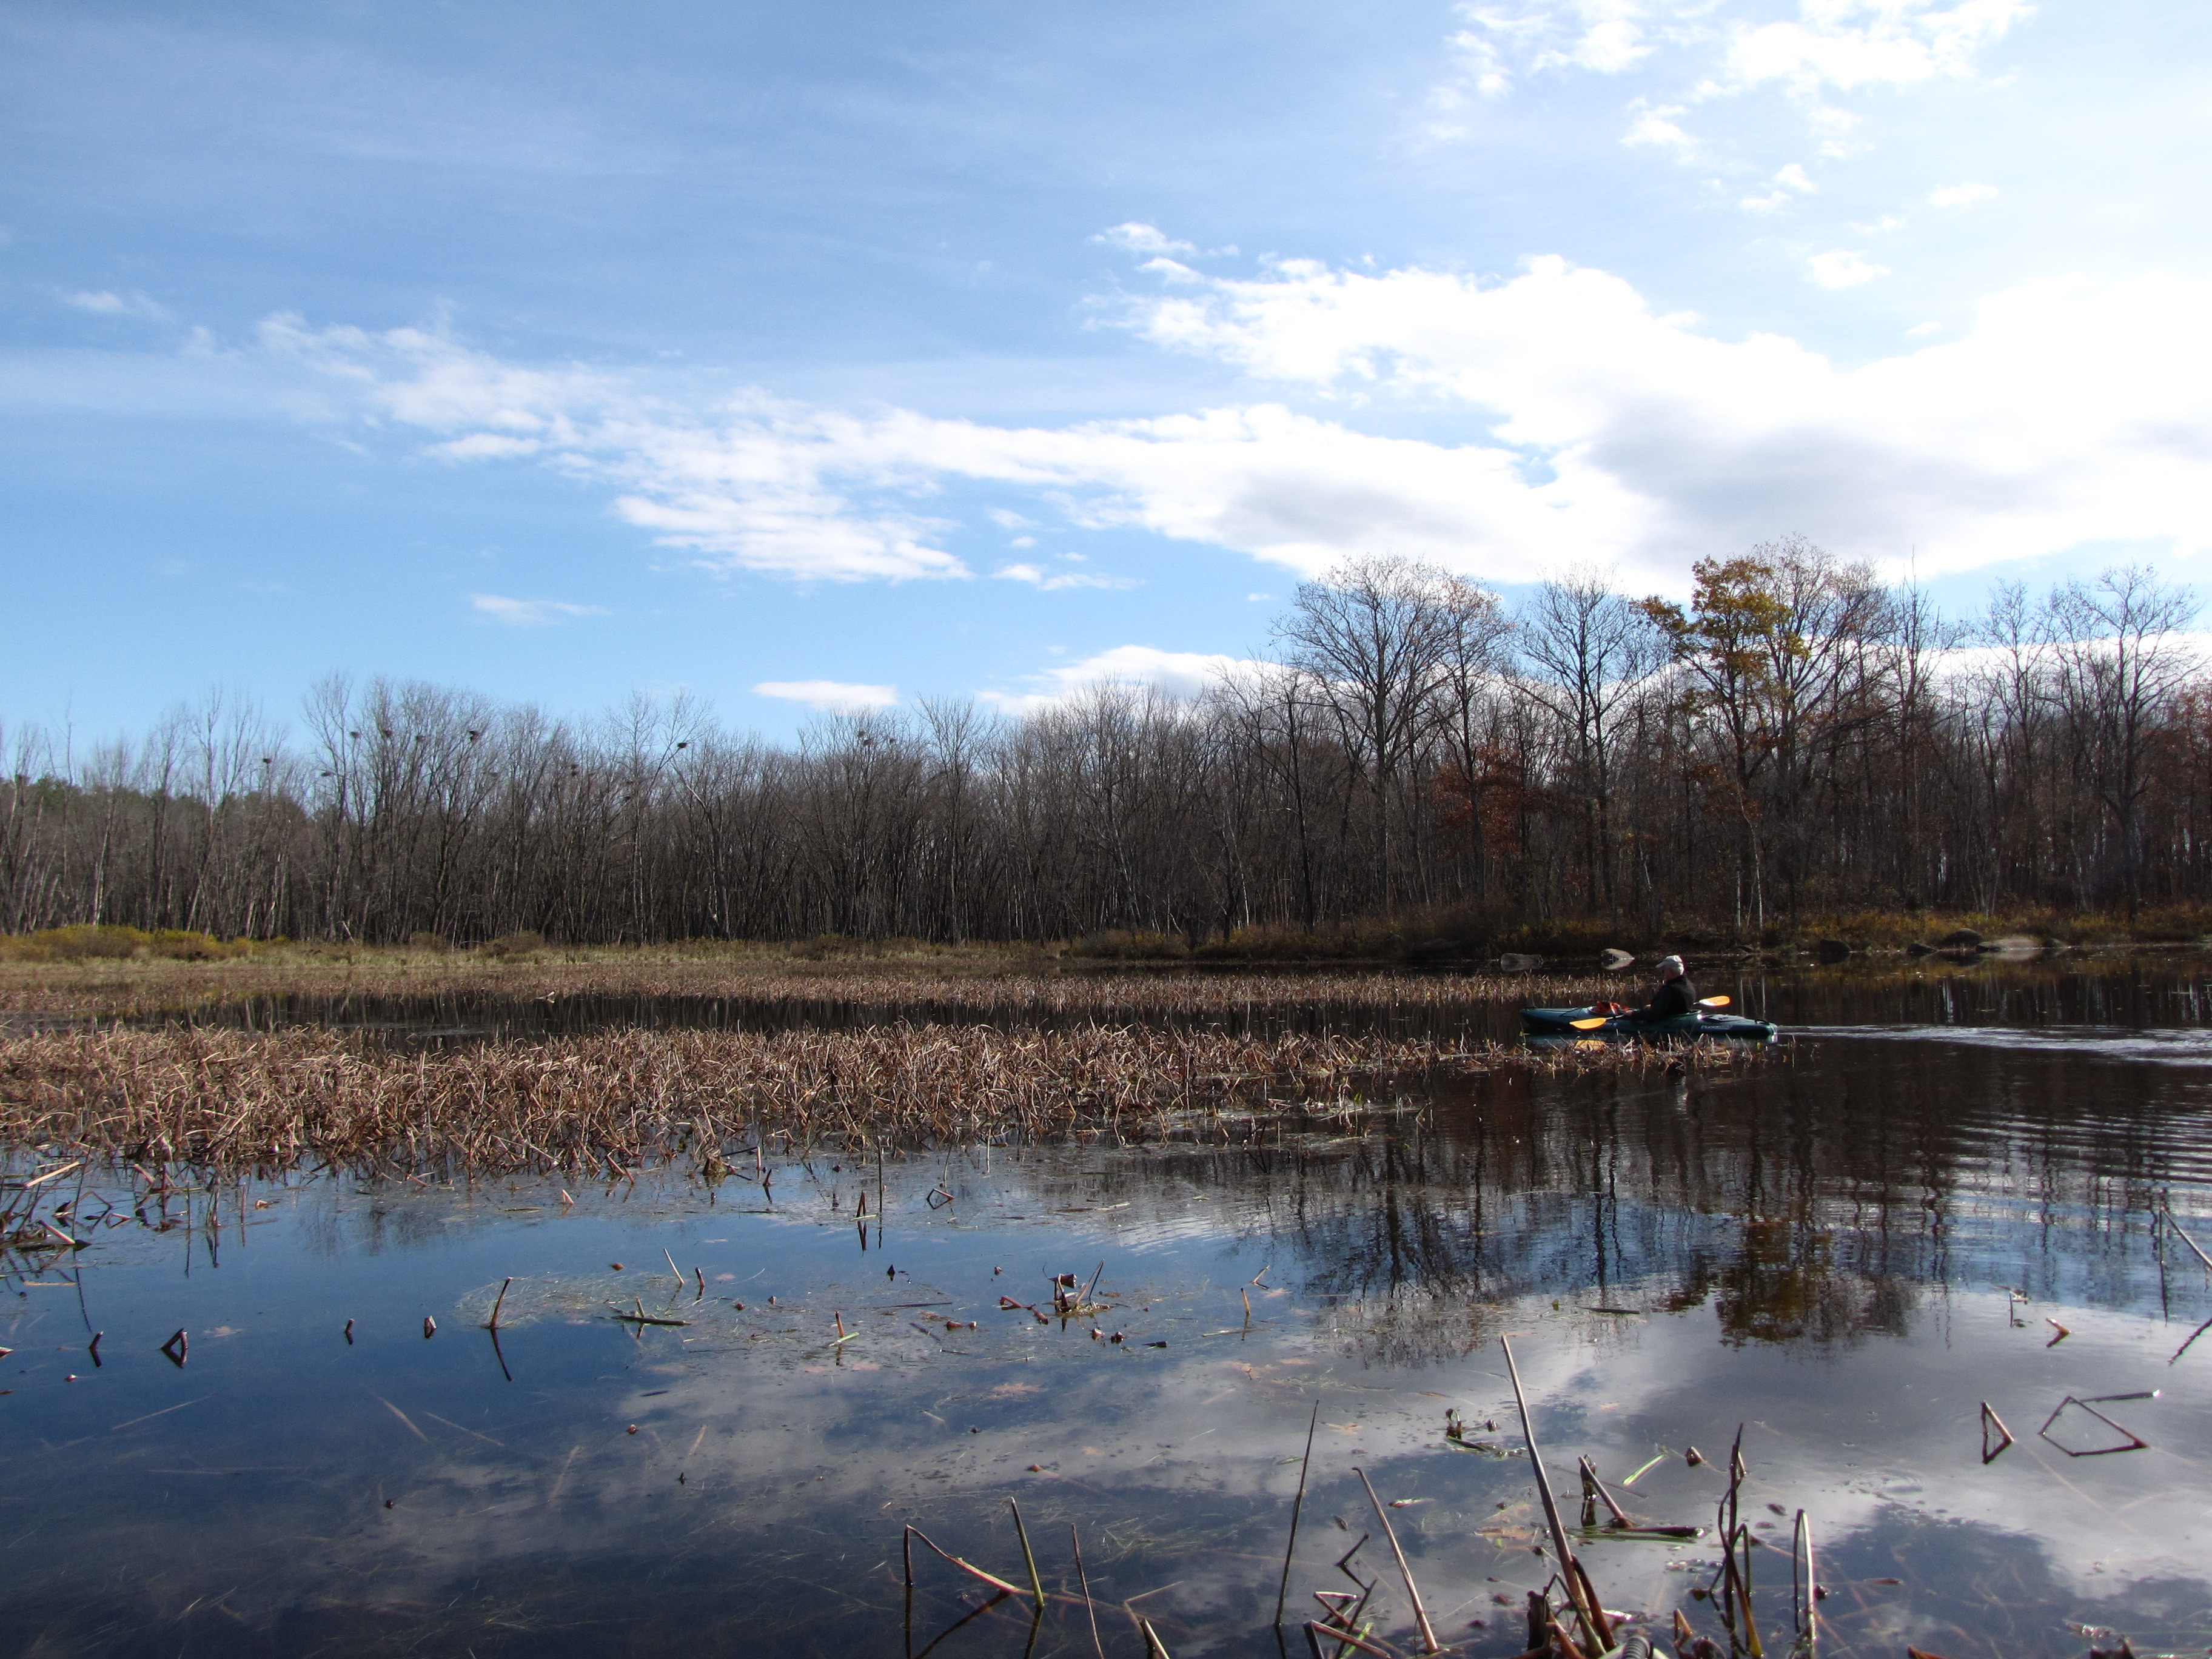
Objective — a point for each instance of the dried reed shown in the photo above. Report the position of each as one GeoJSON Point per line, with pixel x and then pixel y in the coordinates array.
{"type": "Point", "coordinates": [142, 989]}
{"type": "Point", "coordinates": [239, 1099]}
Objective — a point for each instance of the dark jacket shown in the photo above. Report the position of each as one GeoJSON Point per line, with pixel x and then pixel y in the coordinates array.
{"type": "Point", "coordinates": [1672, 1000]}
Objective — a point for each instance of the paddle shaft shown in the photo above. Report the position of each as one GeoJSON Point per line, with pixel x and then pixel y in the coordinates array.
{"type": "Point", "coordinates": [1607, 1019]}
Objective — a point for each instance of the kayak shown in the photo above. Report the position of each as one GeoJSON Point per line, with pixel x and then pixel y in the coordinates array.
{"type": "Point", "coordinates": [1559, 1022]}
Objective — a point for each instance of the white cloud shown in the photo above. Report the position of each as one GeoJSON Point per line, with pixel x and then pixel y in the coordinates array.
{"type": "Point", "coordinates": [1686, 53]}
{"type": "Point", "coordinates": [1849, 44]}
{"type": "Point", "coordinates": [1504, 38]}
{"type": "Point", "coordinates": [106, 303]}
{"type": "Point", "coordinates": [1481, 70]}
{"type": "Point", "coordinates": [1590, 431]}
{"type": "Point", "coordinates": [1655, 125]}
{"type": "Point", "coordinates": [1790, 181]}
{"type": "Point", "coordinates": [2074, 409]}
{"type": "Point", "coordinates": [1846, 43]}
{"type": "Point", "coordinates": [1178, 673]}
{"type": "Point", "coordinates": [830, 696]}
{"type": "Point", "coordinates": [530, 613]}
{"type": "Point", "coordinates": [1843, 267]}
{"type": "Point", "coordinates": [1135, 237]}
{"type": "Point", "coordinates": [1051, 582]}
{"type": "Point", "coordinates": [1173, 270]}
{"type": "Point", "coordinates": [1947, 195]}
{"type": "Point", "coordinates": [749, 486]}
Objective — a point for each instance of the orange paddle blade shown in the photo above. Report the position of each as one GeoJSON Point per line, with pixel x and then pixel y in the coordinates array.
{"type": "Point", "coordinates": [1713, 1002]}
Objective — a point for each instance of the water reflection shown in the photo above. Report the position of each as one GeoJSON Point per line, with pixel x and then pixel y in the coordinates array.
{"type": "Point", "coordinates": [1831, 1249]}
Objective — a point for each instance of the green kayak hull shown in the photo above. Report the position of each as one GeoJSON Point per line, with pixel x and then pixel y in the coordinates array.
{"type": "Point", "coordinates": [1559, 1022]}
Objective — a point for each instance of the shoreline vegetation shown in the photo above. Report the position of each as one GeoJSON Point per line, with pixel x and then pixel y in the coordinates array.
{"type": "Point", "coordinates": [605, 1103]}
{"type": "Point", "coordinates": [123, 972]}
{"type": "Point", "coordinates": [1416, 765]}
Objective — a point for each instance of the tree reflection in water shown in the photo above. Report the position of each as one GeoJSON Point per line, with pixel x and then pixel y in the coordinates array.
{"type": "Point", "coordinates": [1810, 1203]}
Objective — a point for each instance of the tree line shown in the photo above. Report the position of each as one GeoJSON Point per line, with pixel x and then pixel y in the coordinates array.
{"type": "Point", "coordinates": [1796, 740]}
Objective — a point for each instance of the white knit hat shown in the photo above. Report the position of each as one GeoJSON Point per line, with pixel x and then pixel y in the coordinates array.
{"type": "Point", "coordinates": [1669, 966]}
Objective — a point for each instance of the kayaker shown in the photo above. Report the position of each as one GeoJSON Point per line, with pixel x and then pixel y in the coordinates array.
{"type": "Point", "coordinates": [1676, 996]}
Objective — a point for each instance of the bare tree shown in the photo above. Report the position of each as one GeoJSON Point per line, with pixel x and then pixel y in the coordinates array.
{"type": "Point", "coordinates": [2118, 668]}
{"type": "Point", "coordinates": [1817, 726]}
{"type": "Point", "coordinates": [1372, 636]}
{"type": "Point", "coordinates": [1588, 651]}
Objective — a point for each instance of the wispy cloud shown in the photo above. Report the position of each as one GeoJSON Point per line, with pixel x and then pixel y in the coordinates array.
{"type": "Point", "coordinates": [1951, 196]}
{"type": "Point", "coordinates": [758, 484]}
{"type": "Point", "coordinates": [1136, 237]}
{"type": "Point", "coordinates": [1654, 125]}
{"type": "Point", "coordinates": [1051, 582]}
{"type": "Point", "coordinates": [1790, 183]}
{"type": "Point", "coordinates": [2065, 411]}
{"type": "Point", "coordinates": [1843, 267]}
{"type": "Point", "coordinates": [1178, 673]}
{"type": "Point", "coordinates": [1688, 55]}
{"type": "Point", "coordinates": [105, 302]}
{"type": "Point", "coordinates": [830, 696]}
{"type": "Point", "coordinates": [531, 613]}
{"type": "Point", "coordinates": [1848, 44]}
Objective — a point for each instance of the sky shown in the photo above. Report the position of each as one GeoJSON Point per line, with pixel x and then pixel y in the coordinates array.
{"type": "Point", "coordinates": [835, 356]}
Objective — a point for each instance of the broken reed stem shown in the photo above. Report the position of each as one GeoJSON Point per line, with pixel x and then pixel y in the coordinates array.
{"type": "Point", "coordinates": [1028, 1557]}
{"type": "Point", "coordinates": [1587, 1612]}
{"type": "Point", "coordinates": [1596, 1486]}
{"type": "Point", "coordinates": [1429, 1642]}
{"type": "Point", "coordinates": [491, 1324]}
{"type": "Point", "coordinates": [1316, 1631]}
{"type": "Point", "coordinates": [1298, 1504]}
{"type": "Point", "coordinates": [2174, 1227]}
{"type": "Point", "coordinates": [968, 1567]}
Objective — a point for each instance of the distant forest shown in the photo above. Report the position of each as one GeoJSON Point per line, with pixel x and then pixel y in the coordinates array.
{"type": "Point", "coordinates": [1797, 740]}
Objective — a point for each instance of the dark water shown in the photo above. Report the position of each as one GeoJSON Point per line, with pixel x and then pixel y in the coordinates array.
{"type": "Point", "coordinates": [1829, 1251]}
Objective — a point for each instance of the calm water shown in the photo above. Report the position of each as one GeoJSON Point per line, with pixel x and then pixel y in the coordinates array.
{"type": "Point", "coordinates": [1831, 1253]}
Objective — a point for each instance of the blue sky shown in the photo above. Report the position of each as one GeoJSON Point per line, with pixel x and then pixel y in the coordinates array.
{"type": "Point", "coordinates": [870, 351]}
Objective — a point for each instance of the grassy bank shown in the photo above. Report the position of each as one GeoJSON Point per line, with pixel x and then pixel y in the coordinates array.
{"type": "Point", "coordinates": [231, 1099]}
{"type": "Point", "coordinates": [122, 971]}
{"type": "Point", "coordinates": [977, 981]}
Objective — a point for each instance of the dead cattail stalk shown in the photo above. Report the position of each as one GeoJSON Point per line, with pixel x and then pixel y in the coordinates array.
{"type": "Point", "coordinates": [1429, 1642]}
{"type": "Point", "coordinates": [1298, 1504]}
{"type": "Point", "coordinates": [1587, 1613]}
{"type": "Point", "coordinates": [1083, 1579]}
{"type": "Point", "coordinates": [1028, 1556]}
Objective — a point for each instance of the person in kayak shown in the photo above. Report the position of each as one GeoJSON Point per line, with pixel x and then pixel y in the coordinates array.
{"type": "Point", "coordinates": [1674, 997]}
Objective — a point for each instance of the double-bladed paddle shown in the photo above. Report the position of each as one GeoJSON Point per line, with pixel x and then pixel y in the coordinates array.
{"type": "Point", "coordinates": [1607, 1019]}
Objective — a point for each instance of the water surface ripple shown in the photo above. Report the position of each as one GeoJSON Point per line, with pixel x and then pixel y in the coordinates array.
{"type": "Point", "coordinates": [1947, 1190]}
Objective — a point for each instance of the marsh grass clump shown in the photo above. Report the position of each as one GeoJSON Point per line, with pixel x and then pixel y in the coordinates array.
{"type": "Point", "coordinates": [102, 942]}
{"type": "Point", "coordinates": [242, 1099]}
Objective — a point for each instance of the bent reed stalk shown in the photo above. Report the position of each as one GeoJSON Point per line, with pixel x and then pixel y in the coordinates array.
{"type": "Point", "coordinates": [240, 1099]}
